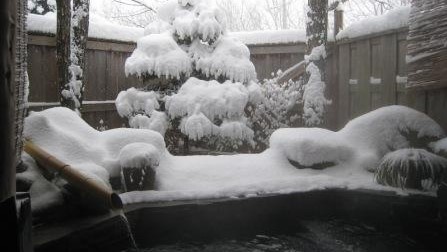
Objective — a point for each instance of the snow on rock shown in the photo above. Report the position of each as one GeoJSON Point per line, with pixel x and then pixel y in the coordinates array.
{"type": "Point", "coordinates": [364, 140]}
{"type": "Point", "coordinates": [311, 146]}
{"type": "Point", "coordinates": [139, 155]}
{"type": "Point", "coordinates": [98, 27]}
{"type": "Point", "coordinates": [230, 58]}
{"type": "Point", "coordinates": [394, 19]}
{"type": "Point", "coordinates": [159, 55]}
{"type": "Point", "coordinates": [388, 128]}
{"type": "Point", "coordinates": [270, 37]}
{"type": "Point", "coordinates": [62, 133]}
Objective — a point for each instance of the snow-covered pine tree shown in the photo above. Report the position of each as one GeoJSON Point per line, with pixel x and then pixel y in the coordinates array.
{"type": "Point", "coordinates": [204, 78]}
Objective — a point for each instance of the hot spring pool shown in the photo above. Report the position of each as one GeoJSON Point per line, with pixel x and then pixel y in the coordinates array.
{"type": "Point", "coordinates": [312, 236]}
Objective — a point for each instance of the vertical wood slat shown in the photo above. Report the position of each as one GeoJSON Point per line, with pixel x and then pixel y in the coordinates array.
{"type": "Point", "coordinates": [389, 67]}
{"type": "Point", "coordinates": [343, 84]}
{"type": "Point", "coordinates": [363, 61]}
{"type": "Point", "coordinates": [377, 92]}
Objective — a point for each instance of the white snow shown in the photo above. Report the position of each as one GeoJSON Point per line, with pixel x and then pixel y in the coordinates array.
{"type": "Point", "coordinates": [62, 133]}
{"type": "Point", "coordinates": [362, 142]}
{"type": "Point", "coordinates": [392, 20]}
{"type": "Point", "coordinates": [99, 27]}
{"type": "Point", "coordinates": [139, 155]}
{"type": "Point", "coordinates": [311, 146]}
{"type": "Point", "coordinates": [201, 102]}
{"type": "Point", "coordinates": [270, 37]}
{"type": "Point", "coordinates": [102, 28]}
{"type": "Point", "coordinates": [140, 107]}
{"type": "Point", "coordinates": [134, 101]}
{"type": "Point", "coordinates": [159, 55]}
{"type": "Point", "coordinates": [440, 146]}
{"type": "Point", "coordinates": [375, 81]}
{"type": "Point", "coordinates": [230, 58]}
{"type": "Point", "coordinates": [313, 96]}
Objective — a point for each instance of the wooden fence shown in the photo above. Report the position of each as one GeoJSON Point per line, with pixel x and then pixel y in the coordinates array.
{"type": "Point", "coordinates": [364, 73]}
{"type": "Point", "coordinates": [372, 73]}
{"type": "Point", "coordinates": [105, 76]}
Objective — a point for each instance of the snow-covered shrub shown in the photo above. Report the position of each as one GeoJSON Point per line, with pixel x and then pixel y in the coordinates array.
{"type": "Point", "coordinates": [141, 109]}
{"type": "Point", "coordinates": [412, 169]}
{"type": "Point", "coordinates": [279, 106]}
{"type": "Point", "coordinates": [207, 75]}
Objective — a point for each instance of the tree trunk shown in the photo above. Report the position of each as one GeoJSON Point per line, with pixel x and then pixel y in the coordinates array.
{"type": "Point", "coordinates": [63, 50]}
{"type": "Point", "coordinates": [314, 78]}
{"type": "Point", "coordinates": [8, 212]}
{"type": "Point", "coordinates": [79, 46]}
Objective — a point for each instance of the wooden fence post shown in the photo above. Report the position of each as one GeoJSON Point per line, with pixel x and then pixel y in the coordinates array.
{"type": "Point", "coordinates": [338, 20]}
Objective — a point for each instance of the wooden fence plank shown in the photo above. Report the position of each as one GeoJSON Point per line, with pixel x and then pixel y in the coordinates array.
{"type": "Point", "coordinates": [343, 84]}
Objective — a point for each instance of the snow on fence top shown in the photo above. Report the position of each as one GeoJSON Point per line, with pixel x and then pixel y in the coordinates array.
{"type": "Point", "coordinates": [394, 19]}
{"type": "Point", "coordinates": [271, 37]}
{"type": "Point", "coordinates": [103, 29]}
{"type": "Point", "coordinates": [98, 28]}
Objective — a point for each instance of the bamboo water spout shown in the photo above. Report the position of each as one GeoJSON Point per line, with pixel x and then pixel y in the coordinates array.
{"type": "Point", "coordinates": [89, 186]}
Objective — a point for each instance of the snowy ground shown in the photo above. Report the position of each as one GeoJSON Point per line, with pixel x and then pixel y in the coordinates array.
{"type": "Point", "coordinates": [247, 175]}
{"type": "Point", "coordinates": [350, 155]}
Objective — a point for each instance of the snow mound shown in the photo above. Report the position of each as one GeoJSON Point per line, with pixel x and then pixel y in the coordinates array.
{"type": "Point", "coordinates": [311, 146]}
{"type": "Point", "coordinates": [159, 55]}
{"type": "Point", "coordinates": [390, 128]}
{"type": "Point", "coordinates": [63, 134]}
{"type": "Point", "coordinates": [394, 19]}
{"type": "Point", "coordinates": [364, 140]}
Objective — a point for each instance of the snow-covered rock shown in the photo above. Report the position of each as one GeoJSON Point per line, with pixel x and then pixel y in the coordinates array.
{"type": "Point", "coordinates": [364, 140]}
{"type": "Point", "coordinates": [311, 146]}
{"type": "Point", "coordinates": [63, 134]}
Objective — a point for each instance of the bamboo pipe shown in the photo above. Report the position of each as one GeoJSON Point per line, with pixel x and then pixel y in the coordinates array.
{"type": "Point", "coordinates": [87, 185]}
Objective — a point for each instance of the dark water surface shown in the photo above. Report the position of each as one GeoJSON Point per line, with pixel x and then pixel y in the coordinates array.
{"type": "Point", "coordinates": [312, 236]}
